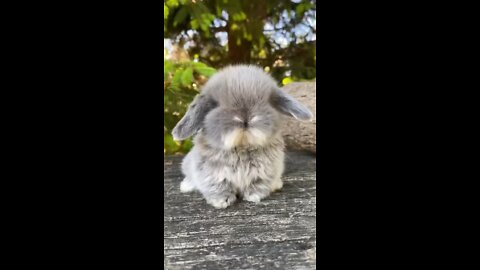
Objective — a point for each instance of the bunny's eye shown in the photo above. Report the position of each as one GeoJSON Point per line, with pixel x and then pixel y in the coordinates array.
{"type": "Point", "coordinates": [255, 118]}
{"type": "Point", "coordinates": [236, 118]}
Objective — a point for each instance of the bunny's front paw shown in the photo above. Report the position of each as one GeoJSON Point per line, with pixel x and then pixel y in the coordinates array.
{"type": "Point", "coordinates": [186, 186]}
{"type": "Point", "coordinates": [255, 197]}
{"type": "Point", "coordinates": [257, 191]}
{"type": "Point", "coordinates": [277, 185]}
{"type": "Point", "coordinates": [223, 201]}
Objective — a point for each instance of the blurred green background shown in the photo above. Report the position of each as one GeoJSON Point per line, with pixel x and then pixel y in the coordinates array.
{"type": "Point", "coordinates": [201, 36]}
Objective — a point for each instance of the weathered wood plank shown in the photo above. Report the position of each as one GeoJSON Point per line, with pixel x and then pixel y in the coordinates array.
{"type": "Point", "coordinates": [277, 233]}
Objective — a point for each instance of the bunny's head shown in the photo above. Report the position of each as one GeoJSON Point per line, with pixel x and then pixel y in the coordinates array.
{"type": "Point", "coordinates": [239, 106]}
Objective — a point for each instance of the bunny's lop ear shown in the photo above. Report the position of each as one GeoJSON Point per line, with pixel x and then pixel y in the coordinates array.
{"type": "Point", "coordinates": [193, 119]}
{"type": "Point", "coordinates": [287, 105]}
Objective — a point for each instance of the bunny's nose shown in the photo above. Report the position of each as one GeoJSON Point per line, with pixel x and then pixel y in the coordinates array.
{"type": "Point", "coordinates": [245, 124]}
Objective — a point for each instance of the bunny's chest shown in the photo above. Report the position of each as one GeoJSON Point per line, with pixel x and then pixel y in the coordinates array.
{"type": "Point", "coordinates": [241, 170]}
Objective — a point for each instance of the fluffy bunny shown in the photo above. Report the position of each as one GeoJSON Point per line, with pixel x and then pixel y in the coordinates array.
{"type": "Point", "coordinates": [238, 146]}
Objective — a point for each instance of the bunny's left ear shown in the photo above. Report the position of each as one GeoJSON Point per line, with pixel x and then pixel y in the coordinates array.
{"type": "Point", "coordinates": [287, 105]}
{"type": "Point", "coordinates": [193, 119]}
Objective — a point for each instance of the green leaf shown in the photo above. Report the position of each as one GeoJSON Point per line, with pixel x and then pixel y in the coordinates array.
{"type": "Point", "coordinates": [180, 16]}
{"type": "Point", "coordinates": [205, 71]}
{"type": "Point", "coordinates": [169, 144]}
{"type": "Point", "coordinates": [261, 41]}
{"type": "Point", "coordinates": [187, 76]}
{"type": "Point", "coordinates": [166, 100]}
{"type": "Point", "coordinates": [167, 69]}
{"type": "Point", "coordinates": [234, 27]}
{"type": "Point", "coordinates": [198, 65]}
{"type": "Point", "coordinates": [194, 24]}
{"type": "Point", "coordinates": [172, 3]}
{"type": "Point", "coordinates": [262, 54]}
{"type": "Point", "coordinates": [165, 11]}
{"type": "Point", "coordinates": [302, 8]}
{"type": "Point", "coordinates": [176, 80]}
{"type": "Point", "coordinates": [240, 16]}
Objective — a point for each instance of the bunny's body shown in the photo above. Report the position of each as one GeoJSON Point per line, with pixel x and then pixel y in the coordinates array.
{"type": "Point", "coordinates": [238, 146]}
{"type": "Point", "coordinates": [221, 175]}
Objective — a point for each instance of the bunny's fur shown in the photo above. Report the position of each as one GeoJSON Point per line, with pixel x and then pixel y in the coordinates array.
{"type": "Point", "coordinates": [238, 147]}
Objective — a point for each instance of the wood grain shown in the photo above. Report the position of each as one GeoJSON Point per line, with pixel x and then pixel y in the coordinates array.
{"type": "Point", "coordinates": [277, 233]}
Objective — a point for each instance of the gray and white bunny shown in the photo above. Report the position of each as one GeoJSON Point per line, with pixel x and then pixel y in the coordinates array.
{"type": "Point", "coordinates": [238, 146]}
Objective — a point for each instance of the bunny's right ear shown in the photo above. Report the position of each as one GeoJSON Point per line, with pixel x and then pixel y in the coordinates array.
{"type": "Point", "coordinates": [287, 105]}
{"type": "Point", "coordinates": [193, 119]}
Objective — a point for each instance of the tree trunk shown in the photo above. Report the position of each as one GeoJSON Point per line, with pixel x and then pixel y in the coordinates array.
{"type": "Point", "coordinates": [241, 53]}
{"type": "Point", "coordinates": [238, 54]}
{"type": "Point", "coordinates": [302, 135]}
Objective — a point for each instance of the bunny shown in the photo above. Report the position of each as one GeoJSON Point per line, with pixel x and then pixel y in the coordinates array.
{"type": "Point", "coordinates": [238, 146]}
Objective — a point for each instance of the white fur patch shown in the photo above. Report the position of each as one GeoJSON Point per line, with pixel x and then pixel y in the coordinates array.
{"type": "Point", "coordinates": [257, 137]}
{"type": "Point", "coordinates": [233, 138]}
{"type": "Point", "coordinates": [236, 118]}
{"type": "Point", "coordinates": [255, 119]}
{"type": "Point", "coordinates": [186, 186]}
{"type": "Point", "coordinates": [243, 137]}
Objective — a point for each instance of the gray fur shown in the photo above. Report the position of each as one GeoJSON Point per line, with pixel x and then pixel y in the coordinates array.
{"type": "Point", "coordinates": [289, 106]}
{"type": "Point", "coordinates": [192, 121]}
{"type": "Point", "coordinates": [238, 149]}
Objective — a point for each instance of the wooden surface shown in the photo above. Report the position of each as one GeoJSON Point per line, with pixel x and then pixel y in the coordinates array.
{"type": "Point", "coordinates": [277, 233]}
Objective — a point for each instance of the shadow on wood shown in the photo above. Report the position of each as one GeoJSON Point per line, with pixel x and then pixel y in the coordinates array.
{"type": "Point", "coordinates": [279, 232]}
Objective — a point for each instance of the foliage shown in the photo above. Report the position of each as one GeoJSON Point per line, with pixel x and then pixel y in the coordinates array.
{"type": "Point", "coordinates": [181, 84]}
{"type": "Point", "coordinates": [270, 33]}
{"type": "Point", "coordinates": [277, 35]}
